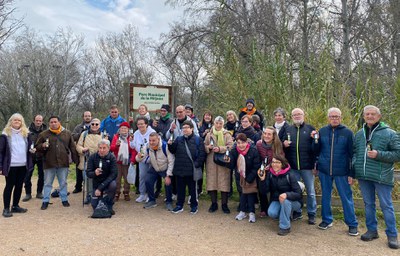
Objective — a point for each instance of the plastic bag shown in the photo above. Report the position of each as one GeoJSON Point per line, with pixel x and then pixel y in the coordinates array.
{"type": "Point", "coordinates": [131, 174]}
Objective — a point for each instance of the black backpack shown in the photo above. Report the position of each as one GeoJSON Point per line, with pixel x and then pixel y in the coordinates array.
{"type": "Point", "coordinates": [101, 211]}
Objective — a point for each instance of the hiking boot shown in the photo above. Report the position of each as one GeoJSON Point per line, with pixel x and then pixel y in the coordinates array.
{"type": "Point", "coordinates": [65, 204]}
{"type": "Point", "coordinates": [369, 236]}
{"type": "Point", "coordinates": [127, 197]}
{"type": "Point", "coordinates": [283, 232]}
{"type": "Point", "coordinates": [76, 191]}
{"type": "Point", "coordinates": [17, 209]}
{"type": "Point", "coordinates": [7, 213]}
{"type": "Point", "coordinates": [116, 198]}
{"type": "Point", "coordinates": [44, 205]}
{"type": "Point", "coordinates": [225, 209]}
{"type": "Point", "coordinates": [213, 207]}
{"type": "Point", "coordinates": [39, 195]}
{"type": "Point", "coordinates": [252, 217]}
{"type": "Point", "coordinates": [393, 243]}
{"type": "Point", "coordinates": [27, 198]}
{"type": "Point", "coordinates": [177, 209]}
{"type": "Point", "coordinates": [169, 207]}
{"type": "Point", "coordinates": [353, 231]}
{"type": "Point", "coordinates": [297, 216]}
{"type": "Point", "coordinates": [150, 204]}
{"type": "Point", "coordinates": [311, 220]}
{"type": "Point", "coordinates": [324, 226]}
{"type": "Point", "coordinates": [193, 210]}
{"type": "Point", "coordinates": [241, 216]}
{"type": "Point", "coordinates": [262, 214]}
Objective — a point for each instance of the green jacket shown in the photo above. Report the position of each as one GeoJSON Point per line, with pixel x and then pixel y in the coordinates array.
{"type": "Point", "coordinates": [387, 143]}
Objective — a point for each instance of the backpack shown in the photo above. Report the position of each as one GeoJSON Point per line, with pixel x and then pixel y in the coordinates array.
{"type": "Point", "coordinates": [101, 211]}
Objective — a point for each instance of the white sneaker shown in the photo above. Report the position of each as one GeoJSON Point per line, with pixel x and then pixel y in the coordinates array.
{"type": "Point", "coordinates": [252, 217]}
{"type": "Point", "coordinates": [241, 216]}
{"type": "Point", "coordinates": [141, 199]}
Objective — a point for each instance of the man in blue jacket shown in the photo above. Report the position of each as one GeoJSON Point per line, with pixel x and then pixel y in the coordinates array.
{"type": "Point", "coordinates": [111, 123]}
{"type": "Point", "coordinates": [334, 149]}
{"type": "Point", "coordinates": [376, 149]}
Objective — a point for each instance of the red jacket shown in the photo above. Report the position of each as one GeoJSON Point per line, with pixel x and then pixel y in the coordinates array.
{"type": "Point", "coordinates": [115, 148]}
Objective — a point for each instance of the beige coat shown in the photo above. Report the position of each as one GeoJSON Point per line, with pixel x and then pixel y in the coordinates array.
{"type": "Point", "coordinates": [218, 177]}
{"type": "Point", "coordinates": [91, 141]}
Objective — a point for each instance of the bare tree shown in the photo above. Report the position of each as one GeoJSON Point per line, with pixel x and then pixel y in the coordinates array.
{"type": "Point", "coordinates": [8, 24]}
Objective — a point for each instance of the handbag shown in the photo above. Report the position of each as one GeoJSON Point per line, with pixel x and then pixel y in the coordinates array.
{"type": "Point", "coordinates": [219, 159]}
{"type": "Point", "coordinates": [131, 174]}
{"type": "Point", "coordinates": [197, 171]}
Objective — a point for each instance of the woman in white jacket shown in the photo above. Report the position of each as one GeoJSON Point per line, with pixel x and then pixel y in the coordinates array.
{"type": "Point", "coordinates": [140, 143]}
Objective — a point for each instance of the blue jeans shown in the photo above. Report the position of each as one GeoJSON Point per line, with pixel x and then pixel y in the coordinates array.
{"type": "Point", "coordinates": [152, 176]}
{"type": "Point", "coordinates": [346, 196]}
{"type": "Point", "coordinates": [283, 211]}
{"type": "Point", "coordinates": [49, 175]}
{"type": "Point", "coordinates": [368, 190]}
{"type": "Point", "coordinates": [143, 169]}
{"type": "Point", "coordinates": [308, 178]}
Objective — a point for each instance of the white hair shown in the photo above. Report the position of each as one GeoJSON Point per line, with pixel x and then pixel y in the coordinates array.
{"type": "Point", "coordinates": [372, 107]}
{"type": "Point", "coordinates": [334, 110]}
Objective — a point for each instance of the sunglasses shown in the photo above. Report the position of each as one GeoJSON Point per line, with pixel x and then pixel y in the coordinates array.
{"type": "Point", "coordinates": [94, 124]}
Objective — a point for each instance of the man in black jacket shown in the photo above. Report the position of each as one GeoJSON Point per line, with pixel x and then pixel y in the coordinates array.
{"type": "Point", "coordinates": [184, 170]}
{"type": "Point", "coordinates": [299, 153]}
{"type": "Point", "coordinates": [102, 168]}
{"type": "Point", "coordinates": [36, 127]}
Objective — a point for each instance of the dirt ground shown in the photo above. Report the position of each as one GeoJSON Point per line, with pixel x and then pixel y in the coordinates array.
{"type": "Point", "coordinates": [137, 231]}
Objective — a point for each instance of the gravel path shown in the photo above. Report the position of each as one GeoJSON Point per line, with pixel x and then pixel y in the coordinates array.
{"type": "Point", "coordinates": [136, 231]}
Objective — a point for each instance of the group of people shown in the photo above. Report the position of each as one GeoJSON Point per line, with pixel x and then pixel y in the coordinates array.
{"type": "Point", "coordinates": [280, 160]}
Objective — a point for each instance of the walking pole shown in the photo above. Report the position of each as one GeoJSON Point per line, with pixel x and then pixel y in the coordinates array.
{"type": "Point", "coordinates": [84, 181]}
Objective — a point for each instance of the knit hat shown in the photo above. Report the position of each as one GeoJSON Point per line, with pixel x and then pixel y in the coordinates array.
{"type": "Point", "coordinates": [251, 100]}
{"type": "Point", "coordinates": [126, 124]}
{"type": "Point", "coordinates": [166, 107]}
{"type": "Point", "coordinates": [188, 106]}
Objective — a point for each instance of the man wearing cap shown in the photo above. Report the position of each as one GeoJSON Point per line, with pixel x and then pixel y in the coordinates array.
{"type": "Point", "coordinates": [162, 125]}
{"type": "Point", "coordinates": [189, 113]}
{"type": "Point", "coordinates": [251, 110]}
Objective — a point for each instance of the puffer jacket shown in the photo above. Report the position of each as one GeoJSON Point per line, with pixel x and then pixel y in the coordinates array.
{"type": "Point", "coordinates": [387, 143]}
{"type": "Point", "coordinates": [108, 174]}
{"type": "Point", "coordinates": [334, 150]}
{"type": "Point", "coordinates": [184, 166]}
{"type": "Point", "coordinates": [300, 152]}
{"type": "Point", "coordinates": [280, 184]}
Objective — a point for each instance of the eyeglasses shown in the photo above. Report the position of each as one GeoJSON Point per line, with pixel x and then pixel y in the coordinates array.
{"type": "Point", "coordinates": [94, 124]}
{"type": "Point", "coordinates": [276, 162]}
{"type": "Point", "coordinates": [244, 121]}
{"type": "Point", "coordinates": [186, 127]}
{"type": "Point", "coordinates": [334, 117]}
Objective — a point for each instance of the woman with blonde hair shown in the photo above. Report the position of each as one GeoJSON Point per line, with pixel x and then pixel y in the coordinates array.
{"type": "Point", "coordinates": [15, 161]}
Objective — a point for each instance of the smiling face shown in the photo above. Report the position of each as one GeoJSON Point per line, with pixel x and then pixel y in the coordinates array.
{"type": "Point", "coordinates": [246, 122]}
{"type": "Point", "coordinates": [142, 126]}
{"type": "Point", "coordinates": [279, 118]}
{"type": "Point", "coordinates": [103, 150]}
{"type": "Point", "coordinates": [87, 117]}
{"type": "Point", "coordinates": [16, 123]}
{"type": "Point", "coordinates": [187, 130]}
{"type": "Point", "coordinates": [241, 144]}
{"type": "Point", "coordinates": [154, 141]}
{"type": "Point", "coordinates": [371, 116]}
{"type": "Point", "coordinates": [268, 136]}
{"type": "Point", "coordinates": [54, 123]}
{"type": "Point", "coordinates": [180, 112]}
{"type": "Point", "coordinates": [114, 113]}
{"type": "Point", "coordinates": [298, 116]}
{"type": "Point", "coordinates": [334, 118]}
{"type": "Point", "coordinates": [276, 165]}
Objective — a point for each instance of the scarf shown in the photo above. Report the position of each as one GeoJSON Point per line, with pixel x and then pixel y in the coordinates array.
{"type": "Point", "coordinates": [278, 127]}
{"type": "Point", "coordinates": [123, 152]}
{"type": "Point", "coordinates": [220, 136]}
{"type": "Point", "coordinates": [249, 112]}
{"type": "Point", "coordinates": [280, 172]}
{"type": "Point", "coordinates": [243, 152]}
{"type": "Point", "coordinates": [166, 117]}
{"type": "Point", "coordinates": [56, 131]}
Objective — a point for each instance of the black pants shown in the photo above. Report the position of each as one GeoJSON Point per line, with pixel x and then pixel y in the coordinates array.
{"type": "Point", "coordinates": [14, 181]}
{"type": "Point", "coordinates": [79, 179]}
{"type": "Point", "coordinates": [182, 183]}
{"type": "Point", "coordinates": [109, 199]}
{"type": "Point", "coordinates": [40, 182]}
{"type": "Point", "coordinates": [249, 201]}
{"type": "Point", "coordinates": [263, 197]}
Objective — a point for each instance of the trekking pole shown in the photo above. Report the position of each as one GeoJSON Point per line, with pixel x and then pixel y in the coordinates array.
{"type": "Point", "coordinates": [84, 181]}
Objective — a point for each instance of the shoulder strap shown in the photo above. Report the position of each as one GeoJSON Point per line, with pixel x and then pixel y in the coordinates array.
{"type": "Point", "coordinates": [85, 133]}
{"type": "Point", "coordinates": [164, 147]}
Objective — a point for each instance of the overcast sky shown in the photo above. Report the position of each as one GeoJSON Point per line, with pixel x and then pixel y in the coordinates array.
{"type": "Point", "coordinates": [94, 17]}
